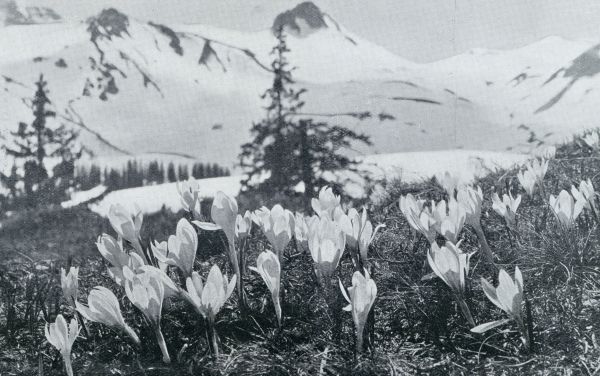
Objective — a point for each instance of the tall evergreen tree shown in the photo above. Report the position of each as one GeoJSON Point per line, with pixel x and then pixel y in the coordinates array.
{"type": "Point", "coordinates": [34, 143]}
{"type": "Point", "coordinates": [171, 174]}
{"type": "Point", "coordinates": [289, 148]}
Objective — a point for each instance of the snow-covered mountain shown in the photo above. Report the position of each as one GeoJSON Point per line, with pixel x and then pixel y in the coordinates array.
{"type": "Point", "coordinates": [13, 13]}
{"type": "Point", "coordinates": [133, 86]}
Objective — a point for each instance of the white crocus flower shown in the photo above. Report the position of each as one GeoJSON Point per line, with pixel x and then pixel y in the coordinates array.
{"type": "Point", "coordinates": [112, 250]}
{"type": "Point", "coordinates": [328, 204]}
{"type": "Point", "coordinates": [565, 208]}
{"type": "Point", "coordinates": [419, 217]}
{"type": "Point", "coordinates": [533, 175]}
{"type": "Point", "coordinates": [224, 212]}
{"type": "Point", "coordinates": [451, 265]}
{"type": "Point", "coordinates": [209, 298]}
{"type": "Point", "coordinates": [449, 182]}
{"type": "Point", "coordinates": [361, 297]}
{"type": "Point", "coordinates": [181, 248]}
{"type": "Point", "coordinates": [361, 232]}
{"type": "Point", "coordinates": [278, 225]}
{"type": "Point", "coordinates": [188, 194]}
{"type": "Point", "coordinates": [508, 296]}
{"type": "Point", "coordinates": [103, 307]}
{"type": "Point", "coordinates": [146, 291]}
{"type": "Point", "coordinates": [62, 337]}
{"type": "Point", "coordinates": [326, 242]}
{"type": "Point", "coordinates": [127, 225]}
{"type": "Point", "coordinates": [471, 200]}
{"type": "Point", "coordinates": [586, 194]}
{"type": "Point", "coordinates": [592, 140]}
{"type": "Point", "coordinates": [301, 231]}
{"type": "Point", "coordinates": [507, 208]}
{"type": "Point", "coordinates": [69, 284]}
{"type": "Point", "coordinates": [243, 225]}
{"type": "Point", "coordinates": [269, 268]}
{"type": "Point", "coordinates": [449, 219]}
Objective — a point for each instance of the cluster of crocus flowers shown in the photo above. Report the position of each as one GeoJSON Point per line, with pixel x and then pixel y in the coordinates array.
{"type": "Point", "coordinates": [419, 217]}
{"type": "Point", "coordinates": [360, 297]}
{"type": "Point", "coordinates": [62, 336]}
{"type": "Point", "coordinates": [586, 194]}
{"type": "Point", "coordinates": [359, 232]}
{"type": "Point", "coordinates": [327, 204]}
{"type": "Point", "coordinates": [450, 218]}
{"type": "Point", "coordinates": [269, 268]}
{"type": "Point", "coordinates": [188, 194]}
{"type": "Point", "coordinates": [533, 175]}
{"type": "Point", "coordinates": [146, 291]}
{"type": "Point", "coordinates": [181, 248]}
{"type": "Point", "coordinates": [127, 225]}
{"type": "Point", "coordinates": [566, 209]}
{"type": "Point", "coordinates": [278, 225]}
{"type": "Point", "coordinates": [113, 252]}
{"type": "Point", "coordinates": [103, 307]}
{"type": "Point", "coordinates": [208, 298]}
{"type": "Point", "coordinates": [69, 284]}
{"type": "Point", "coordinates": [451, 265]}
{"type": "Point", "coordinates": [507, 207]}
{"type": "Point", "coordinates": [508, 296]}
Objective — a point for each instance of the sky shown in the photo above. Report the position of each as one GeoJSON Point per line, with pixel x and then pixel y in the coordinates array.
{"type": "Point", "coordinates": [419, 30]}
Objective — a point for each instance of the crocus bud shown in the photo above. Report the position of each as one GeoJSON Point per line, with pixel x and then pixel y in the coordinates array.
{"type": "Point", "coordinates": [69, 284]}
{"type": "Point", "coordinates": [103, 307]}
{"type": "Point", "coordinates": [471, 200]}
{"type": "Point", "coordinates": [592, 140]}
{"type": "Point", "coordinates": [269, 268]}
{"type": "Point", "coordinates": [278, 225]}
{"type": "Point", "coordinates": [449, 182]}
{"type": "Point", "coordinates": [243, 225]}
{"type": "Point", "coordinates": [62, 338]}
{"type": "Point", "coordinates": [565, 208]}
{"type": "Point", "coordinates": [361, 297]}
{"type": "Point", "coordinates": [301, 231]}
{"type": "Point", "coordinates": [181, 248]}
{"type": "Point", "coordinates": [188, 194]}
{"type": "Point", "coordinates": [112, 251]}
{"type": "Point", "coordinates": [223, 212]}
{"type": "Point", "coordinates": [419, 217]}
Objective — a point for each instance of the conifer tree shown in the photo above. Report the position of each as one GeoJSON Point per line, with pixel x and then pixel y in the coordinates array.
{"type": "Point", "coordinates": [288, 147]}
{"type": "Point", "coordinates": [171, 174]}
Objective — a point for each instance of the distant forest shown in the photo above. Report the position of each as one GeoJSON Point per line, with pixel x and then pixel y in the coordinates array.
{"type": "Point", "coordinates": [136, 174]}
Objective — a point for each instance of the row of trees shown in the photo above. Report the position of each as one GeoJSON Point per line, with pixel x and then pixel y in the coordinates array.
{"type": "Point", "coordinates": [136, 174]}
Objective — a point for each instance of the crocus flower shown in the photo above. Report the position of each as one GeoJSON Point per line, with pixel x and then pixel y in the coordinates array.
{"type": "Point", "coordinates": [328, 204]}
{"type": "Point", "coordinates": [69, 284]}
{"type": "Point", "coordinates": [112, 251]}
{"type": "Point", "coordinates": [449, 182]}
{"type": "Point", "coordinates": [449, 219]}
{"type": "Point", "coordinates": [62, 337]}
{"type": "Point", "coordinates": [361, 297]}
{"type": "Point", "coordinates": [565, 208]}
{"type": "Point", "coordinates": [471, 200]}
{"type": "Point", "coordinates": [360, 233]}
{"type": "Point", "coordinates": [419, 217]}
{"type": "Point", "coordinates": [326, 243]}
{"type": "Point", "coordinates": [127, 225]}
{"type": "Point", "coordinates": [224, 212]}
{"type": "Point", "coordinates": [269, 268]}
{"type": "Point", "coordinates": [507, 208]}
{"type": "Point", "coordinates": [209, 298]}
{"type": "Point", "coordinates": [451, 265]}
{"type": "Point", "coordinates": [592, 140]}
{"type": "Point", "coordinates": [243, 225]}
{"type": "Point", "coordinates": [181, 248]}
{"type": "Point", "coordinates": [103, 307]}
{"type": "Point", "coordinates": [301, 231]}
{"type": "Point", "coordinates": [508, 296]}
{"type": "Point", "coordinates": [533, 175]}
{"type": "Point", "coordinates": [586, 194]}
{"type": "Point", "coordinates": [188, 194]}
{"type": "Point", "coordinates": [278, 225]}
{"type": "Point", "coordinates": [147, 292]}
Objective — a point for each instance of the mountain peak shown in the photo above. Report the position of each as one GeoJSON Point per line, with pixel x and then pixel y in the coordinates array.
{"type": "Point", "coordinates": [110, 22]}
{"type": "Point", "coordinates": [304, 17]}
{"type": "Point", "coordinates": [11, 13]}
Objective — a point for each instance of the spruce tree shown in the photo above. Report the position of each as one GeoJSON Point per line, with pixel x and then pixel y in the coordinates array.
{"type": "Point", "coordinates": [288, 147]}
{"type": "Point", "coordinates": [171, 174]}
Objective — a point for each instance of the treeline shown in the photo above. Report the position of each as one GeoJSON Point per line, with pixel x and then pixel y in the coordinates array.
{"type": "Point", "coordinates": [137, 174]}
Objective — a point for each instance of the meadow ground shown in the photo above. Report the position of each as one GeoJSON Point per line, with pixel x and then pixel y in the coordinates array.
{"type": "Point", "coordinates": [416, 327]}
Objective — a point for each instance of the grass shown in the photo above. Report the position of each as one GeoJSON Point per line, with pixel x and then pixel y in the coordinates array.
{"type": "Point", "coordinates": [417, 326]}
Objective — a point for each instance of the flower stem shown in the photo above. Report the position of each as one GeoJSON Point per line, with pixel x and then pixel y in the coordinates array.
{"type": "Point", "coordinates": [487, 251]}
{"type": "Point", "coordinates": [212, 333]}
{"type": "Point", "coordinates": [161, 343]}
{"type": "Point", "coordinates": [465, 311]}
{"type": "Point", "coordinates": [68, 365]}
{"type": "Point", "coordinates": [132, 335]}
{"type": "Point", "coordinates": [359, 338]}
